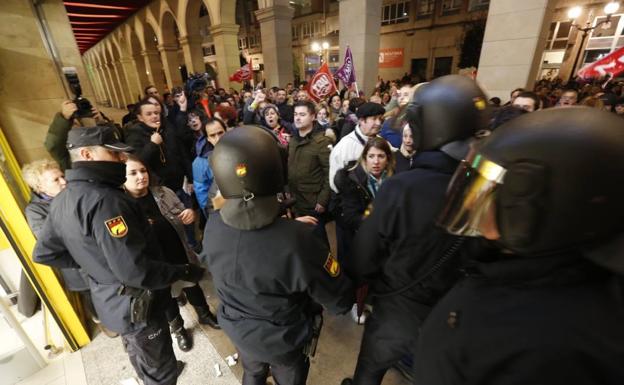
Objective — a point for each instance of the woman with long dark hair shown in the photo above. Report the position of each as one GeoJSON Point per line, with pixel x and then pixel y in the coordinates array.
{"type": "Point", "coordinates": [359, 183]}
{"type": "Point", "coordinates": [166, 215]}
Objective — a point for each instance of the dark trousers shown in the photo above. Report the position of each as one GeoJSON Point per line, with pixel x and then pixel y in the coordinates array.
{"type": "Point", "coordinates": [388, 338]}
{"type": "Point", "coordinates": [319, 229]}
{"type": "Point", "coordinates": [189, 229]}
{"type": "Point", "coordinates": [195, 296]}
{"type": "Point", "coordinates": [289, 369]}
{"type": "Point", "coordinates": [151, 353]}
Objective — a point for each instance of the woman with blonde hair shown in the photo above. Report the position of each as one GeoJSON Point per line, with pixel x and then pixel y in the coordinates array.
{"type": "Point", "coordinates": [46, 181]}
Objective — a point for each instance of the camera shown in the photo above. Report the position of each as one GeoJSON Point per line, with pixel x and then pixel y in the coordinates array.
{"type": "Point", "coordinates": [83, 104]}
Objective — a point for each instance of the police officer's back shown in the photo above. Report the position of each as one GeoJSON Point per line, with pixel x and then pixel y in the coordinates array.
{"type": "Point", "coordinates": [93, 225]}
{"type": "Point", "coordinates": [544, 304]}
{"type": "Point", "coordinates": [269, 272]}
{"type": "Point", "coordinates": [407, 261]}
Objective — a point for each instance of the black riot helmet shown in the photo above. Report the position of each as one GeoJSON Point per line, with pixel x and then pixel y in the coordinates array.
{"type": "Point", "coordinates": [447, 109]}
{"type": "Point", "coordinates": [249, 171]}
{"type": "Point", "coordinates": [548, 180]}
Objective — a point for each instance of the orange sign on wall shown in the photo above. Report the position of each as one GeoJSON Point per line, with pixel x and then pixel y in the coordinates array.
{"type": "Point", "coordinates": [391, 58]}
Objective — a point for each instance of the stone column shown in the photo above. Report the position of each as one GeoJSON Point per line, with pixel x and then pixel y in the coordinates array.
{"type": "Point", "coordinates": [108, 98]}
{"type": "Point", "coordinates": [193, 53]}
{"type": "Point", "coordinates": [139, 63]}
{"type": "Point", "coordinates": [120, 78]}
{"type": "Point", "coordinates": [276, 31]}
{"type": "Point", "coordinates": [169, 56]}
{"type": "Point", "coordinates": [154, 69]}
{"type": "Point", "coordinates": [95, 81]}
{"type": "Point", "coordinates": [515, 37]}
{"type": "Point", "coordinates": [106, 85]}
{"type": "Point", "coordinates": [99, 85]}
{"type": "Point", "coordinates": [360, 25]}
{"type": "Point", "coordinates": [112, 88]}
{"type": "Point", "coordinates": [132, 78]}
{"type": "Point", "coordinates": [226, 46]}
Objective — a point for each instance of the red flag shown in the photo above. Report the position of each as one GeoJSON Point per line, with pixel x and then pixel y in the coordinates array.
{"type": "Point", "coordinates": [204, 103]}
{"type": "Point", "coordinates": [243, 73]}
{"type": "Point", "coordinates": [612, 64]}
{"type": "Point", "coordinates": [322, 84]}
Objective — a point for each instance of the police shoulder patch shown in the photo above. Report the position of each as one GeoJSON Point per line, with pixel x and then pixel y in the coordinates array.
{"type": "Point", "coordinates": [117, 227]}
{"type": "Point", "coordinates": [332, 266]}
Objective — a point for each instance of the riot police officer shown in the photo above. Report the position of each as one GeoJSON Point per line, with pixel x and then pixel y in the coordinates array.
{"type": "Point", "coordinates": [93, 225]}
{"type": "Point", "coordinates": [544, 304]}
{"type": "Point", "coordinates": [270, 272]}
{"type": "Point", "coordinates": [408, 262]}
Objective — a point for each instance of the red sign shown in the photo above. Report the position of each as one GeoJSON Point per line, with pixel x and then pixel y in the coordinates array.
{"type": "Point", "coordinates": [612, 64]}
{"type": "Point", "coordinates": [391, 58]}
{"type": "Point", "coordinates": [322, 84]}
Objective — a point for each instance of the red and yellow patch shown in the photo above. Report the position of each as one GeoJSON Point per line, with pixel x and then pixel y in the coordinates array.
{"type": "Point", "coordinates": [332, 266]}
{"type": "Point", "coordinates": [480, 103]}
{"type": "Point", "coordinates": [241, 170]}
{"type": "Point", "coordinates": [117, 227]}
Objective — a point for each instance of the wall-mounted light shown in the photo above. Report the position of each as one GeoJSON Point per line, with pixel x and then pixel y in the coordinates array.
{"type": "Point", "coordinates": [611, 8]}
{"type": "Point", "coordinates": [574, 12]}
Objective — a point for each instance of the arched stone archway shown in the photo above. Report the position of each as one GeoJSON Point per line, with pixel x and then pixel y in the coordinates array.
{"type": "Point", "coordinates": [127, 64]}
{"type": "Point", "coordinates": [118, 73]}
{"type": "Point", "coordinates": [169, 47]}
{"type": "Point", "coordinates": [109, 71]}
{"type": "Point", "coordinates": [92, 72]}
{"type": "Point", "coordinates": [138, 61]}
{"type": "Point", "coordinates": [99, 65]}
{"type": "Point", "coordinates": [152, 59]}
{"type": "Point", "coordinates": [191, 34]}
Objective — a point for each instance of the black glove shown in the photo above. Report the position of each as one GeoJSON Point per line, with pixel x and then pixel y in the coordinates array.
{"type": "Point", "coordinates": [192, 273]}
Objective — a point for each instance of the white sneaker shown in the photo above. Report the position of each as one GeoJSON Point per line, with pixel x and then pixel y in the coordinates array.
{"type": "Point", "coordinates": [361, 319]}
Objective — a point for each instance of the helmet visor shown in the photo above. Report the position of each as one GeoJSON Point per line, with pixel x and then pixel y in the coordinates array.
{"type": "Point", "coordinates": [470, 195]}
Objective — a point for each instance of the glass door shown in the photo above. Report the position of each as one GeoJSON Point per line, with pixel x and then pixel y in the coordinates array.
{"type": "Point", "coordinates": [57, 325]}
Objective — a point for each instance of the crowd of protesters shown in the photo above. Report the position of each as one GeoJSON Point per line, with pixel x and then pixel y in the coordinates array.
{"type": "Point", "coordinates": [337, 153]}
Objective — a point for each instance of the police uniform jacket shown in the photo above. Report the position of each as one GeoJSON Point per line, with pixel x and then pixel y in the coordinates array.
{"type": "Point", "coordinates": [36, 212]}
{"type": "Point", "coordinates": [308, 171]}
{"type": "Point", "coordinates": [399, 243]}
{"type": "Point", "coordinates": [551, 320]}
{"type": "Point", "coordinates": [354, 196]}
{"type": "Point", "coordinates": [268, 279]}
{"type": "Point", "coordinates": [93, 225]}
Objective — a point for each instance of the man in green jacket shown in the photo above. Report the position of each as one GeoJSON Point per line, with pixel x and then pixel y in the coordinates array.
{"type": "Point", "coordinates": [308, 166]}
{"type": "Point", "coordinates": [56, 137]}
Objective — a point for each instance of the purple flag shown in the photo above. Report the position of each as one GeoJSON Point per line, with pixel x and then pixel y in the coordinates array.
{"type": "Point", "coordinates": [346, 73]}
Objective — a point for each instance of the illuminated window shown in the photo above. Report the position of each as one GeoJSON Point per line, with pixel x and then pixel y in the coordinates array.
{"type": "Point", "coordinates": [558, 35]}
{"type": "Point", "coordinates": [395, 12]}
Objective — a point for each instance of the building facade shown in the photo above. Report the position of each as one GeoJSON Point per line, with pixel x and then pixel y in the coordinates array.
{"type": "Point", "coordinates": [166, 40]}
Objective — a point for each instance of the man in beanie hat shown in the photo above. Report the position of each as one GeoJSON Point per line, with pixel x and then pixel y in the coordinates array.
{"type": "Point", "coordinates": [350, 147]}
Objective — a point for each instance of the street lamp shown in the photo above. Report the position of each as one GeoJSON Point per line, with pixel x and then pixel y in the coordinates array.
{"type": "Point", "coordinates": [574, 13]}
{"type": "Point", "coordinates": [319, 48]}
